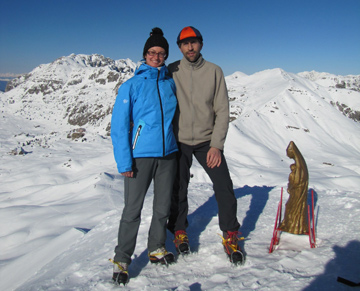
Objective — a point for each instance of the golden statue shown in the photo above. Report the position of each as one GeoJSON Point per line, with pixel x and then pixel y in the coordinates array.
{"type": "Point", "coordinates": [295, 219]}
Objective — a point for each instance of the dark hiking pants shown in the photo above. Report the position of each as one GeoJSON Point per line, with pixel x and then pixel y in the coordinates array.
{"type": "Point", "coordinates": [222, 185]}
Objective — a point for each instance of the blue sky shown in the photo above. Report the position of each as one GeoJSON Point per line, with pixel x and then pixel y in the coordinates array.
{"type": "Point", "coordinates": [247, 36]}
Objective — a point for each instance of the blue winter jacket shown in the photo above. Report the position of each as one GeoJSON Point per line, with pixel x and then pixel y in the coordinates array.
{"type": "Point", "coordinates": [148, 102]}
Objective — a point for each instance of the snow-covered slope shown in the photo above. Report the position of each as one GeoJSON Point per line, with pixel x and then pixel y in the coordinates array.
{"type": "Point", "coordinates": [275, 107]}
{"type": "Point", "coordinates": [351, 82]}
{"type": "Point", "coordinates": [72, 91]}
{"type": "Point", "coordinates": [58, 188]}
{"type": "Point", "coordinates": [344, 103]}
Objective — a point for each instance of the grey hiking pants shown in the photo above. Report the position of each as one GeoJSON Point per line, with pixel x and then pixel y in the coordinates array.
{"type": "Point", "coordinates": [162, 171]}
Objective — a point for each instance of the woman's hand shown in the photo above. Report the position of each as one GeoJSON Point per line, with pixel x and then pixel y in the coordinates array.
{"type": "Point", "coordinates": [128, 174]}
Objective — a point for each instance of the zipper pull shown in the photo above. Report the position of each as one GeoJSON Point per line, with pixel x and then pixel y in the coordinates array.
{"type": "Point", "coordinates": [136, 136]}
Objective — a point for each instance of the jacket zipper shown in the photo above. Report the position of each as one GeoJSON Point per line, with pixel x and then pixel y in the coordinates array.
{"type": "Point", "coordinates": [136, 136]}
{"type": "Point", "coordinates": [192, 105]}
{"type": "Point", "coordinates": [162, 113]}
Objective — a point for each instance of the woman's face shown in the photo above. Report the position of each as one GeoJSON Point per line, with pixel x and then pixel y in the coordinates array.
{"type": "Point", "coordinates": [155, 56]}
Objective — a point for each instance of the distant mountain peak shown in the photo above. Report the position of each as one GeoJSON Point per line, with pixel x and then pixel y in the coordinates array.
{"type": "Point", "coordinates": [78, 88]}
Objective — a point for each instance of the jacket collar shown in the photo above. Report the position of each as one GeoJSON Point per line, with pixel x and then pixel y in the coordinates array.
{"type": "Point", "coordinates": [193, 65]}
{"type": "Point", "coordinates": [151, 72]}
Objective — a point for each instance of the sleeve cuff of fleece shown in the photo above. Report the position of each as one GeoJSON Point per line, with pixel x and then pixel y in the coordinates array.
{"type": "Point", "coordinates": [217, 145]}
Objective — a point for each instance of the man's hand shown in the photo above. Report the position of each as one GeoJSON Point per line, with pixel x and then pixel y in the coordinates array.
{"type": "Point", "coordinates": [213, 158]}
{"type": "Point", "coordinates": [128, 174]}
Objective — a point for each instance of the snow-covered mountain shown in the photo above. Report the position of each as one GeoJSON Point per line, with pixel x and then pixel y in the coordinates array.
{"type": "Point", "coordinates": [75, 94]}
{"type": "Point", "coordinates": [338, 82]}
{"type": "Point", "coordinates": [73, 91]}
{"type": "Point", "coordinates": [273, 107]}
{"type": "Point", "coordinates": [351, 82]}
{"type": "Point", "coordinates": [327, 86]}
{"type": "Point", "coordinates": [59, 180]}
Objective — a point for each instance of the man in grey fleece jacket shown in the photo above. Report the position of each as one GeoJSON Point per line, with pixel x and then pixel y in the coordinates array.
{"type": "Point", "coordinates": [200, 125]}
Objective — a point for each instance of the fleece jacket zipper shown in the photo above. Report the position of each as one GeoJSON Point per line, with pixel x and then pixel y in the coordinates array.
{"type": "Point", "coordinates": [192, 104]}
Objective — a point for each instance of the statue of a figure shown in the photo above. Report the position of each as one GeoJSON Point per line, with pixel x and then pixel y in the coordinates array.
{"type": "Point", "coordinates": [295, 219]}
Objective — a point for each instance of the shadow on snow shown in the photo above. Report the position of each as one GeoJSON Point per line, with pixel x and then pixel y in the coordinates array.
{"type": "Point", "coordinates": [201, 217]}
{"type": "Point", "coordinates": [345, 264]}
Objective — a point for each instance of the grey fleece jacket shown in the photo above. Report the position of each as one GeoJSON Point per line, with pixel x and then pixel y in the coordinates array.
{"type": "Point", "coordinates": [203, 104]}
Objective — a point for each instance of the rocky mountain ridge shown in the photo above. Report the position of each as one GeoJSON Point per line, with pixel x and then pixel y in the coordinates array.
{"type": "Point", "coordinates": [74, 95]}
{"type": "Point", "coordinates": [351, 82]}
{"type": "Point", "coordinates": [76, 90]}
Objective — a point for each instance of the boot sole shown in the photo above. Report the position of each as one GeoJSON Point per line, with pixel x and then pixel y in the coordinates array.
{"type": "Point", "coordinates": [237, 258]}
{"type": "Point", "coordinates": [165, 260]}
{"type": "Point", "coordinates": [183, 249]}
{"type": "Point", "coordinates": [121, 278]}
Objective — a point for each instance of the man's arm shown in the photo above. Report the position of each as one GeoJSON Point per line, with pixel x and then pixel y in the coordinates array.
{"type": "Point", "coordinates": [221, 111]}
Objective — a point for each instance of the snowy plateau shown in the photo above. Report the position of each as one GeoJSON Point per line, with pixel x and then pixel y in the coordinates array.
{"type": "Point", "coordinates": [61, 196]}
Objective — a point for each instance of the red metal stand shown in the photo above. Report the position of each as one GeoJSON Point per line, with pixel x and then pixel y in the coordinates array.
{"type": "Point", "coordinates": [277, 231]}
{"type": "Point", "coordinates": [311, 221]}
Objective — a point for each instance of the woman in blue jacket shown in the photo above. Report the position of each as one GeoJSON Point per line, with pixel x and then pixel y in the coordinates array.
{"type": "Point", "coordinates": [145, 150]}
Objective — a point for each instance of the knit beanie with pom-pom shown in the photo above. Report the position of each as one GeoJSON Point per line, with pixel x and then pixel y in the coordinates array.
{"type": "Point", "coordinates": [156, 39]}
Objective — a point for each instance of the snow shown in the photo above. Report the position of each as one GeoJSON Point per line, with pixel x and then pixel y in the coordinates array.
{"type": "Point", "coordinates": [61, 188]}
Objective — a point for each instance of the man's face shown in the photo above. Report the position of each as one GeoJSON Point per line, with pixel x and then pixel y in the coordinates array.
{"type": "Point", "coordinates": [191, 48]}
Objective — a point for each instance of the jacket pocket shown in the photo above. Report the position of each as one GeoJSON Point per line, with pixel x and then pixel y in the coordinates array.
{"type": "Point", "coordinates": [138, 133]}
